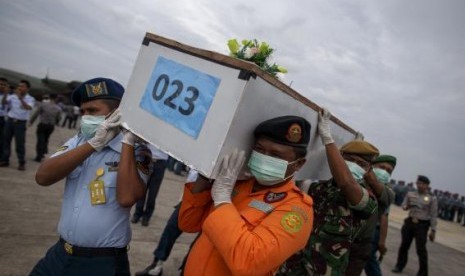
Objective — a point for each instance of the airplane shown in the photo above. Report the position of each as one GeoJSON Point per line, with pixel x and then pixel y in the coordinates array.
{"type": "Point", "coordinates": [40, 87]}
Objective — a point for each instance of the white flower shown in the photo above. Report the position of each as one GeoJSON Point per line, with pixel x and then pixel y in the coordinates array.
{"type": "Point", "coordinates": [249, 52]}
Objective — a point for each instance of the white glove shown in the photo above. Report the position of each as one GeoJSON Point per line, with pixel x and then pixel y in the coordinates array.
{"type": "Point", "coordinates": [323, 126]}
{"type": "Point", "coordinates": [106, 131]}
{"type": "Point", "coordinates": [224, 183]}
{"type": "Point", "coordinates": [359, 136]}
{"type": "Point", "coordinates": [129, 138]}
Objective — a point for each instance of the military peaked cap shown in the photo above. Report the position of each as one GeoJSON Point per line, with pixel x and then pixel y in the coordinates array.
{"type": "Point", "coordinates": [287, 130]}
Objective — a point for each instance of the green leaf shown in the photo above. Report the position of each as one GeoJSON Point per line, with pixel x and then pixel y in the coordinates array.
{"type": "Point", "coordinates": [264, 47]}
{"type": "Point", "coordinates": [282, 69]}
{"type": "Point", "coordinates": [233, 46]}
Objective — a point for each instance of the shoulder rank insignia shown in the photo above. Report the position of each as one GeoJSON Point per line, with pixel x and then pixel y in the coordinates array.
{"type": "Point", "coordinates": [292, 222]}
{"type": "Point", "coordinates": [271, 197]}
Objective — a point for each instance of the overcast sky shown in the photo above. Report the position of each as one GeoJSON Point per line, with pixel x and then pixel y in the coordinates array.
{"type": "Point", "coordinates": [394, 70]}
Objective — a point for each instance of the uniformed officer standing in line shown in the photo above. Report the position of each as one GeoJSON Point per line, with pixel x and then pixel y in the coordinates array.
{"type": "Point", "coordinates": [19, 105]}
{"type": "Point", "coordinates": [423, 211]}
{"type": "Point", "coordinates": [250, 227]}
{"type": "Point", "coordinates": [104, 178]}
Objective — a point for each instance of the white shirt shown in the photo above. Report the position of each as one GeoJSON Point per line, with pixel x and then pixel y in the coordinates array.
{"type": "Point", "coordinates": [16, 109]}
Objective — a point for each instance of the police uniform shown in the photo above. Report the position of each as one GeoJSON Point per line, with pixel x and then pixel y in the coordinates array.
{"type": "Point", "coordinates": [337, 224]}
{"type": "Point", "coordinates": [94, 229]}
{"type": "Point", "coordinates": [259, 230]}
{"type": "Point", "coordinates": [423, 210]}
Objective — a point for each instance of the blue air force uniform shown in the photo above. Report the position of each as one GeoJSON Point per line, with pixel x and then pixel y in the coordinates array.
{"type": "Point", "coordinates": [105, 225]}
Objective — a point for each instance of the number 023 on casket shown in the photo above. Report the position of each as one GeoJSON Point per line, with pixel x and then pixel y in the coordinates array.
{"type": "Point", "coordinates": [198, 105]}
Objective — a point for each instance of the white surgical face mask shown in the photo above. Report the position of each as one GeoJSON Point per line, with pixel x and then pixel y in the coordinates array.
{"type": "Point", "coordinates": [382, 175]}
{"type": "Point", "coordinates": [357, 171]}
{"type": "Point", "coordinates": [268, 170]}
{"type": "Point", "coordinates": [89, 124]}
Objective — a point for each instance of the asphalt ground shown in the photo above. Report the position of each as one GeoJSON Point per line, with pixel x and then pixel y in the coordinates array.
{"type": "Point", "coordinates": [29, 216]}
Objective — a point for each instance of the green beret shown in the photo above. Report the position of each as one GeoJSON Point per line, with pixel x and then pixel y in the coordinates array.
{"type": "Point", "coordinates": [287, 130]}
{"type": "Point", "coordinates": [362, 148]}
{"type": "Point", "coordinates": [386, 159]}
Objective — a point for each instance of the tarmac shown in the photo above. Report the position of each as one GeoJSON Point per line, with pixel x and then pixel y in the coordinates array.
{"type": "Point", "coordinates": [29, 214]}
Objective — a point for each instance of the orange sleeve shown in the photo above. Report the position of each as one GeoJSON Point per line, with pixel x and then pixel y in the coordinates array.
{"type": "Point", "coordinates": [194, 209]}
{"type": "Point", "coordinates": [264, 248]}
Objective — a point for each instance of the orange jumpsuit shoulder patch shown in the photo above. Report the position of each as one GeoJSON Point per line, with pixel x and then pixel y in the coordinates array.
{"type": "Point", "coordinates": [292, 222]}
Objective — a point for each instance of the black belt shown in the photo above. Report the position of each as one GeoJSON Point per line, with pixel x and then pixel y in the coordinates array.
{"type": "Point", "coordinates": [16, 120]}
{"type": "Point", "coordinates": [414, 220]}
{"type": "Point", "coordinates": [91, 251]}
{"type": "Point", "coordinates": [158, 161]}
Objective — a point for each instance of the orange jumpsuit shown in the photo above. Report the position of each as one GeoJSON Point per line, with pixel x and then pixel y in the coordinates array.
{"type": "Point", "coordinates": [252, 236]}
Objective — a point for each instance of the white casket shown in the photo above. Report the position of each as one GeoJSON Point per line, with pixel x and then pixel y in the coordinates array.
{"type": "Point", "coordinates": [198, 105]}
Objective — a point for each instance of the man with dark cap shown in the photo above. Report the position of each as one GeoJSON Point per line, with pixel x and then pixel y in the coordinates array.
{"type": "Point", "coordinates": [423, 211]}
{"type": "Point", "coordinates": [383, 166]}
{"type": "Point", "coordinates": [342, 206]}
{"type": "Point", "coordinates": [105, 175]}
{"type": "Point", "coordinates": [251, 226]}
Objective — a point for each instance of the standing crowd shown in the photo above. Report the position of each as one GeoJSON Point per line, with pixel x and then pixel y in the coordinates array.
{"type": "Point", "coordinates": [19, 110]}
{"type": "Point", "coordinates": [262, 222]}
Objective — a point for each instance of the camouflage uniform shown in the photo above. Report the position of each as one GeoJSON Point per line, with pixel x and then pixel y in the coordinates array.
{"type": "Point", "coordinates": [336, 224]}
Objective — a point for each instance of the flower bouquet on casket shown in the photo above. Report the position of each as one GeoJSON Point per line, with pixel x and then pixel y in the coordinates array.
{"type": "Point", "coordinates": [256, 52]}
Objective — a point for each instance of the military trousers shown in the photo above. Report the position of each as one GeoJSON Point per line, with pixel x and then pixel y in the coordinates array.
{"type": "Point", "coordinates": [146, 205]}
{"type": "Point", "coordinates": [360, 253]}
{"type": "Point", "coordinates": [43, 133]}
{"type": "Point", "coordinates": [58, 263]}
{"type": "Point", "coordinates": [418, 231]}
{"type": "Point", "coordinates": [168, 238]}
{"type": "Point", "coordinates": [17, 129]}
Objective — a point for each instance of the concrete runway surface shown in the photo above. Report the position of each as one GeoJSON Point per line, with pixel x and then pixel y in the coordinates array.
{"type": "Point", "coordinates": [29, 216]}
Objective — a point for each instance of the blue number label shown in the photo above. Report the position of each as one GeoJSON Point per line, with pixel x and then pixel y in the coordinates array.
{"type": "Point", "coordinates": [179, 95]}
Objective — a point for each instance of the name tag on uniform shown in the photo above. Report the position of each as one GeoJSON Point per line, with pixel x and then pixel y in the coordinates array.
{"type": "Point", "coordinates": [97, 189]}
{"type": "Point", "coordinates": [262, 206]}
{"type": "Point", "coordinates": [97, 192]}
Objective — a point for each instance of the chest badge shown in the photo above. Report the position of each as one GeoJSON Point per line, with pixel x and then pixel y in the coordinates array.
{"type": "Point", "coordinates": [271, 197]}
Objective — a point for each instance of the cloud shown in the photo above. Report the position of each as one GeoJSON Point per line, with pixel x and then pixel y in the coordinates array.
{"type": "Point", "coordinates": [393, 70]}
